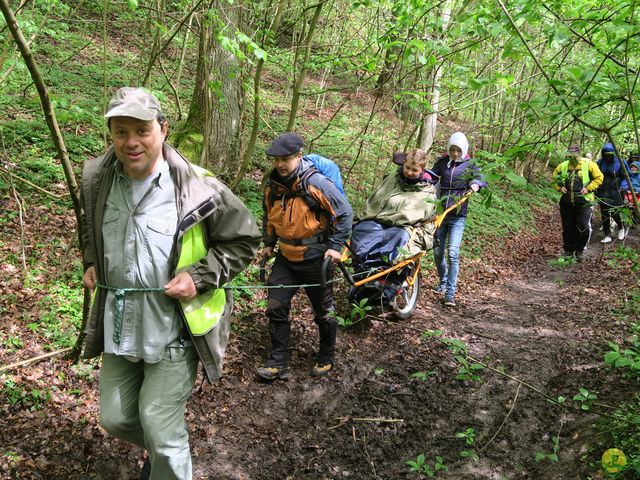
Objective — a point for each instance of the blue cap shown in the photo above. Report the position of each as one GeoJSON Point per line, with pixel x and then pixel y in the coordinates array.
{"type": "Point", "coordinates": [285, 145]}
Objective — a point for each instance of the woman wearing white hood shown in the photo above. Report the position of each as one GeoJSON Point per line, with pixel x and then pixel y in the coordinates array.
{"type": "Point", "coordinates": [458, 174]}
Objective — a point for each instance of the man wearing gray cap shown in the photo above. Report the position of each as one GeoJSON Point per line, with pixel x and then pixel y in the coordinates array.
{"type": "Point", "coordinates": [161, 238]}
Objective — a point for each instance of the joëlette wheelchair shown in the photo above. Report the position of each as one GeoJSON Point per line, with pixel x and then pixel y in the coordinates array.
{"type": "Point", "coordinates": [392, 286]}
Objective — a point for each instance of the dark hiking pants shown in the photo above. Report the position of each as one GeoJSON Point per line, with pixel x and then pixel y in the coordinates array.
{"type": "Point", "coordinates": [610, 212]}
{"type": "Point", "coordinates": [285, 272]}
{"type": "Point", "coordinates": [576, 226]}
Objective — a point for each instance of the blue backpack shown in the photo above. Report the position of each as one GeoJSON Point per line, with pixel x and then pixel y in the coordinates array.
{"type": "Point", "coordinates": [328, 168]}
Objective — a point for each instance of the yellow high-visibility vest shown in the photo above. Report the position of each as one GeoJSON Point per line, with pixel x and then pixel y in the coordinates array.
{"type": "Point", "coordinates": [584, 176]}
{"type": "Point", "coordinates": [203, 312]}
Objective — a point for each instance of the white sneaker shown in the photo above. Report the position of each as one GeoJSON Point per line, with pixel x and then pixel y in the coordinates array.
{"type": "Point", "coordinates": [614, 226]}
{"type": "Point", "coordinates": [606, 239]}
{"type": "Point", "coordinates": [622, 233]}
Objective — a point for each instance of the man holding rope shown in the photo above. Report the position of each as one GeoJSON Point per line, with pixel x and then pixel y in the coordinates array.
{"type": "Point", "coordinates": [310, 219]}
{"type": "Point", "coordinates": [161, 237]}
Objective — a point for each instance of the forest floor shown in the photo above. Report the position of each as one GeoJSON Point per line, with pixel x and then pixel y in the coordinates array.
{"type": "Point", "coordinates": [542, 331]}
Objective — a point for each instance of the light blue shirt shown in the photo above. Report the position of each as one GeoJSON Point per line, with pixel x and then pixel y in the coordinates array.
{"type": "Point", "coordinates": [140, 222]}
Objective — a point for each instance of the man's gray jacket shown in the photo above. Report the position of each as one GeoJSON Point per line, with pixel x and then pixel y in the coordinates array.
{"type": "Point", "coordinates": [231, 236]}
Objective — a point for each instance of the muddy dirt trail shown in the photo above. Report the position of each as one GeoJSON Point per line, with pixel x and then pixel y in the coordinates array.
{"type": "Point", "coordinates": [539, 329]}
{"type": "Point", "coordinates": [530, 322]}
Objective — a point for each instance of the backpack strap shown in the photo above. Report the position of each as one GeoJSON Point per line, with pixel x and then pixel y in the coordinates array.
{"type": "Point", "coordinates": [302, 190]}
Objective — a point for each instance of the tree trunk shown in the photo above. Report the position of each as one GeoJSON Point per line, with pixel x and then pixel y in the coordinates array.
{"type": "Point", "coordinates": [212, 129]}
{"type": "Point", "coordinates": [257, 103]}
{"type": "Point", "coordinates": [295, 100]}
{"type": "Point", "coordinates": [155, 45]}
{"type": "Point", "coordinates": [430, 122]}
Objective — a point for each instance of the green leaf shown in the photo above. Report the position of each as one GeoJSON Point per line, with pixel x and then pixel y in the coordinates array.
{"type": "Point", "coordinates": [614, 346]}
{"type": "Point", "coordinates": [243, 37]}
{"type": "Point", "coordinates": [475, 84]}
{"type": "Point", "coordinates": [492, 177]}
{"type": "Point", "coordinates": [505, 80]}
{"type": "Point", "coordinates": [623, 362]}
{"type": "Point", "coordinates": [431, 333]}
{"type": "Point", "coordinates": [576, 72]}
{"type": "Point", "coordinates": [516, 179]}
{"type": "Point", "coordinates": [611, 357]}
{"type": "Point", "coordinates": [133, 4]}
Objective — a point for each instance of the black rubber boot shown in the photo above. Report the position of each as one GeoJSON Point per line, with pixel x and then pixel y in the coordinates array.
{"type": "Point", "coordinates": [327, 351]}
{"type": "Point", "coordinates": [279, 333]}
{"type": "Point", "coordinates": [145, 473]}
{"type": "Point", "coordinates": [277, 367]}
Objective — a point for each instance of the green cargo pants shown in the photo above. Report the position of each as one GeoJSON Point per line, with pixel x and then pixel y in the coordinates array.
{"type": "Point", "coordinates": [144, 404]}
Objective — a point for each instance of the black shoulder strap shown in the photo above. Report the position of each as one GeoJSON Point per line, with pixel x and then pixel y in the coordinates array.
{"type": "Point", "coordinates": [303, 190]}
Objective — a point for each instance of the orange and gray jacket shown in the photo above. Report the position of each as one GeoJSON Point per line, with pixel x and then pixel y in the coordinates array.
{"type": "Point", "coordinates": [213, 225]}
{"type": "Point", "coordinates": [304, 231]}
{"type": "Point", "coordinates": [575, 177]}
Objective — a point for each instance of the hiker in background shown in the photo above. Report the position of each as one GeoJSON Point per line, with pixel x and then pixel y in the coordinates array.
{"type": "Point", "coordinates": [576, 178]}
{"type": "Point", "coordinates": [161, 237]}
{"type": "Point", "coordinates": [309, 219]}
{"type": "Point", "coordinates": [634, 175]}
{"type": "Point", "coordinates": [458, 174]}
{"type": "Point", "coordinates": [608, 193]}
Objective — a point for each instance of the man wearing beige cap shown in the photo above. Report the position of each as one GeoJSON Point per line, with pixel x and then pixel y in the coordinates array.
{"type": "Point", "coordinates": [161, 238]}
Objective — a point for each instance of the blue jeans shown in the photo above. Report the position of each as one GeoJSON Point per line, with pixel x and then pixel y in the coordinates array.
{"type": "Point", "coordinates": [449, 236]}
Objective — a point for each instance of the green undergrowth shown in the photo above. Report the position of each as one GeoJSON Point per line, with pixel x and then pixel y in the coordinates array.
{"type": "Point", "coordinates": [58, 314]}
{"type": "Point", "coordinates": [622, 429]}
{"type": "Point", "coordinates": [501, 211]}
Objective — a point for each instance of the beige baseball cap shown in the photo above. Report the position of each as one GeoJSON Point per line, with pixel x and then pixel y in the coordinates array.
{"type": "Point", "coordinates": [133, 102]}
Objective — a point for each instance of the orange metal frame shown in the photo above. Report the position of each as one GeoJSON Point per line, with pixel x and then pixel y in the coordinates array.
{"type": "Point", "coordinates": [415, 258]}
{"type": "Point", "coordinates": [398, 266]}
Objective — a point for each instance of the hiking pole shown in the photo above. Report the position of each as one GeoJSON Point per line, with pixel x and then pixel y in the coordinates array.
{"type": "Point", "coordinates": [263, 268]}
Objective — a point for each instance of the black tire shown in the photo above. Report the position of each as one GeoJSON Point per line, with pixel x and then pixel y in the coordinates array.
{"type": "Point", "coordinates": [404, 304]}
